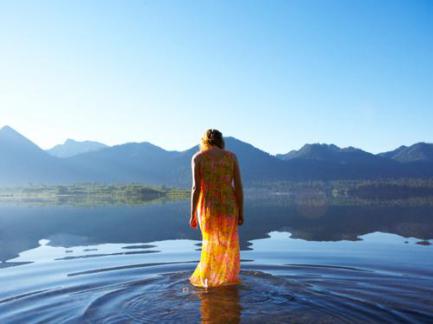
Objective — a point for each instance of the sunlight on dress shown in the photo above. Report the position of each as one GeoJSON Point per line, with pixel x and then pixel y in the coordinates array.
{"type": "Point", "coordinates": [217, 213]}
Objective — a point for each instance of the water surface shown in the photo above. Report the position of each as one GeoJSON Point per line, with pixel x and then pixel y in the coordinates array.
{"type": "Point", "coordinates": [298, 264]}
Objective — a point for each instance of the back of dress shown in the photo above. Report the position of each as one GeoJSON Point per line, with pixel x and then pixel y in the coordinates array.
{"type": "Point", "coordinates": [217, 216]}
{"type": "Point", "coordinates": [217, 192]}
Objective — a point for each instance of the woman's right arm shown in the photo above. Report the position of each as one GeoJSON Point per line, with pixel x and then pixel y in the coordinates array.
{"type": "Point", "coordinates": [238, 190]}
{"type": "Point", "coordinates": [195, 191]}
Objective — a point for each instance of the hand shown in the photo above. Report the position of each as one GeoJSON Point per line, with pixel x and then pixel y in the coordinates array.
{"type": "Point", "coordinates": [240, 219]}
{"type": "Point", "coordinates": [193, 221]}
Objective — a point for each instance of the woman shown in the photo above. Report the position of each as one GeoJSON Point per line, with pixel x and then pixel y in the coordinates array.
{"type": "Point", "coordinates": [217, 206]}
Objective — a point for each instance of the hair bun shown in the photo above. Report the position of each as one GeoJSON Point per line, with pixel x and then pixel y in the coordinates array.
{"type": "Point", "coordinates": [213, 137]}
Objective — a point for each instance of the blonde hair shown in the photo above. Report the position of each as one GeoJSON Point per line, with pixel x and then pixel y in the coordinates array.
{"type": "Point", "coordinates": [212, 137]}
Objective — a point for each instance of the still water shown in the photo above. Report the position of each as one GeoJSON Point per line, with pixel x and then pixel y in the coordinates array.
{"type": "Point", "coordinates": [130, 264]}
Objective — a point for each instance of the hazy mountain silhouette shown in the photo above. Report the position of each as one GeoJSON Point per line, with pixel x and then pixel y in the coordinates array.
{"type": "Point", "coordinates": [130, 162]}
{"type": "Point", "coordinates": [419, 152]}
{"type": "Point", "coordinates": [330, 153]}
{"type": "Point", "coordinates": [72, 147]}
{"type": "Point", "coordinates": [145, 162]}
{"type": "Point", "coordinates": [23, 162]}
{"type": "Point", "coordinates": [330, 162]}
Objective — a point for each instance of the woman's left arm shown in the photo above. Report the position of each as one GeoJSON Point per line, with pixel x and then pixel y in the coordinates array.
{"type": "Point", "coordinates": [195, 192]}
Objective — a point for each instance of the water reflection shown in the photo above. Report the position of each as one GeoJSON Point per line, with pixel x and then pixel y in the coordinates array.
{"type": "Point", "coordinates": [22, 227]}
{"type": "Point", "coordinates": [378, 279]}
{"type": "Point", "coordinates": [220, 305]}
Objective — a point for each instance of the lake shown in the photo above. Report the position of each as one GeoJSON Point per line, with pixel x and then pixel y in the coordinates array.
{"type": "Point", "coordinates": [299, 263]}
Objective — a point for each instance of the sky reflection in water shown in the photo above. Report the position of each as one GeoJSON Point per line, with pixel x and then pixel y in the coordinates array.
{"type": "Point", "coordinates": [74, 264]}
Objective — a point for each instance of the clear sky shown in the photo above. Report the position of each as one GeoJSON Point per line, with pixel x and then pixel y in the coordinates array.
{"type": "Point", "coordinates": [277, 74]}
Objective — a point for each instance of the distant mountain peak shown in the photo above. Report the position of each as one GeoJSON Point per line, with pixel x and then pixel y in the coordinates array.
{"type": "Point", "coordinates": [328, 152]}
{"type": "Point", "coordinates": [320, 146]}
{"type": "Point", "coordinates": [422, 144]}
{"type": "Point", "coordinates": [73, 147]}
{"type": "Point", "coordinates": [11, 137]}
{"type": "Point", "coordinates": [308, 150]}
{"type": "Point", "coordinates": [418, 152]}
{"type": "Point", "coordinates": [5, 127]}
{"type": "Point", "coordinates": [233, 142]}
{"type": "Point", "coordinates": [73, 141]}
{"type": "Point", "coordinates": [17, 152]}
{"type": "Point", "coordinates": [7, 130]}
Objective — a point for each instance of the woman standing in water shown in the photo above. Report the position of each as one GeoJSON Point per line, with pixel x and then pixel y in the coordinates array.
{"type": "Point", "coordinates": [217, 207]}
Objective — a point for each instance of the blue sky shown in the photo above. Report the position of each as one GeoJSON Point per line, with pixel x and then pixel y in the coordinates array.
{"type": "Point", "coordinates": [277, 74]}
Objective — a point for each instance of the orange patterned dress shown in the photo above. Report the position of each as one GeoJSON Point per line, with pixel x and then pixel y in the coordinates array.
{"type": "Point", "coordinates": [217, 215]}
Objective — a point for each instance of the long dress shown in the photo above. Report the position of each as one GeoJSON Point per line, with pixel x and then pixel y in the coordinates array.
{"type": "Point", "coordinates": [217, 215]}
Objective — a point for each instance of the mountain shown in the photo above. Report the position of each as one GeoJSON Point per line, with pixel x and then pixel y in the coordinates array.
{"type": "Point", "coordinates": [72, 147]}
{"type": "Point", "coordinates": [145, 162]}
{"type": "Point", "coordinates": [23, 162]}
{"type": "Point", "coordinates": [256, 165]}
{"type": "Point", "coordinates": [330, 162]}
{"type": "Point", "coordinates": [130, 162]}
{"type": "Point", "coordinates": [419, 152]}
{"type": "Point", "coordinates": [329, 153]}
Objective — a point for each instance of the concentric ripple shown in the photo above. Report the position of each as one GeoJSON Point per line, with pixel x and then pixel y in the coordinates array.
{"type": "Point", "coordinates": [271, 294]}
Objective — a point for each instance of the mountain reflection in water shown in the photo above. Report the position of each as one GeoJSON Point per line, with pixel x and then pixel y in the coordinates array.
{"type": "Point", "coordinates": [21, 227]}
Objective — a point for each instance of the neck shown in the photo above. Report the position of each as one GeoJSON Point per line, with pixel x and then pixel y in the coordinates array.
{"type": "Point", "coordinates": [212, 147]}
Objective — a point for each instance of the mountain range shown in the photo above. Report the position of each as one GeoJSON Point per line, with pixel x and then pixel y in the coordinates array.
{"type": "Point", "coordinates": [72, 147]}
{"type": "Point", "coordinates": [23, 162]}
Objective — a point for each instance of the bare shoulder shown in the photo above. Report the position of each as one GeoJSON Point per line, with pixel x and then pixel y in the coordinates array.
{"type": "Point", "coordinates": [232, 155]}
{"type": "Point", "coordinates": [196, 157]}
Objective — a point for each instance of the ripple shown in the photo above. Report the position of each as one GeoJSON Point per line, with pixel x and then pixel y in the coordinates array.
{"type": "Point", "coordinates": [146, 293]}
{"type": "Point", "coordinates": [125, 267]}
